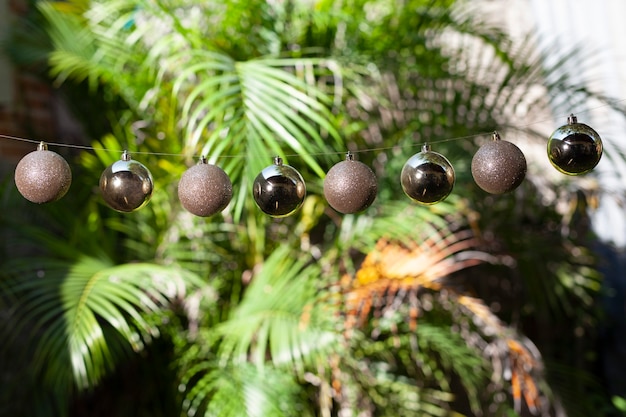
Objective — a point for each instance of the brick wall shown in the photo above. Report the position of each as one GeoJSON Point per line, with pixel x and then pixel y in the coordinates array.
{"type": "Point", "coordinates": [30, 114]}
{"type": "Point", "coordinates": [27, 105]}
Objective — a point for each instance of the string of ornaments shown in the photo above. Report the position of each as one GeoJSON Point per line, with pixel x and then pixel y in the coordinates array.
{"type": "Point", "coordinates": [279, 190]}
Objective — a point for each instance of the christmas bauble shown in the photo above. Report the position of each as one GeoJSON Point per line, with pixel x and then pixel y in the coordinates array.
{"type": "Point", "coordinates": [205, 189]}
{"type": "Point", "coordinates": [126, 185]}
{"type": "Point", "coordinates": [498, 166]}
{"type": "Point", "coordinates": [575, 148]}
{"type": "Point", "coordinates": [427, 177]}
{"type": "Point", "coordinates": [350, 186]}
{"type": "Point", "coordinates": [279, 190]}
{"type": "Point", "coordinates": [43, 176]}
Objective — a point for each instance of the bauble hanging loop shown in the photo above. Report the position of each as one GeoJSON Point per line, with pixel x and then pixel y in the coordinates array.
{"type": "Point", "coordinates": [498, 166]}
{"type": "Point", "coordinates": [205, 189]}
{"type": "Point", "coordinates": [575, 148]}
{"type": "Point", "coordinates": [427, 177]}
{"type": "Point", "coordinates": [350, 186]}
{"type": "Point", "coordinates": [126, 185]}
{"type": "Point", "coordinates": [43, 176]}
{"type": "Point", "coordinates": [279, 190]}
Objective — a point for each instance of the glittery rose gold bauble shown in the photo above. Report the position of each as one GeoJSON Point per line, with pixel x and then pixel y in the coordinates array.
{"type": "Point", "coordinates": [427, 177]}
{"type": "Point", "coordinates": [279, 190]}
{"type": "Point", "coordinates": [350, 186]}
{"type": "Point", "coordinates": [126, 185]}
{"type": "Point", "coordinates": [205, 189]}
{"type": "Point", "coordinates": [43, 176]}
{"type": "Point", "coordinates": [575, 148]}
{"type": "Point", "coordinates": [498, 166]}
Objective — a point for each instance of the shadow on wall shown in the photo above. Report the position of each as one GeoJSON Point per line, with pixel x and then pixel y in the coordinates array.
{"type": "Point", "coordinates": [612, 342]}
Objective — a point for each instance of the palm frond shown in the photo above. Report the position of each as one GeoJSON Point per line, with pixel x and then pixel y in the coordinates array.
{"type": "Point", "coordinates": [408, 266]}
{"type": "Point", "coordinates": [514, 357]}
{"type": "Point", "coordinates": [70, 304]}
{"type": "Point", "coordinates": [282, 318]}
{"type": "Point", "coordinates": [383, 387]}
{"type": "Point", "coordinates": [395, 272]}
{"type": "Point", "coordinates": [87, 49]}
{"type": "Point", "coordinates": [440, 347]}
{"type": "Point", "coordinates": [260, 101]}
{"type": "Point", "coordinates": [243, 390]}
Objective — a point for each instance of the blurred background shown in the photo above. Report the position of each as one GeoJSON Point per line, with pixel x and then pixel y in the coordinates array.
{"type": "Point", "coordinates": [479, 305]}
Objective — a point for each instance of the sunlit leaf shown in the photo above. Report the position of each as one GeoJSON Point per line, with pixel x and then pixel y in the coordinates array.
{"type": "Point", "coordinates": [71, 302]}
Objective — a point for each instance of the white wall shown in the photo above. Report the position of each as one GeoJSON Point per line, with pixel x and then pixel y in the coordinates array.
{"type": "Point", "coordinates": [597, 28]}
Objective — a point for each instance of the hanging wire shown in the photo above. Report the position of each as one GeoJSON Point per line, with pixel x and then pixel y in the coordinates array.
{"type": "Point", "coordinates": [377, 149]}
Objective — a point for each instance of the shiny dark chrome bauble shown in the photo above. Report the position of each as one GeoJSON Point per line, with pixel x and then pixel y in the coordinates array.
{"type": "Point", "coordinates": [427, 177]}
{"type": "Point", "coordinates": [575, 148]}
{"type": "Point", "coordinates": [126, 185]}
{"type": "Point", "coordinates": [279, 190]}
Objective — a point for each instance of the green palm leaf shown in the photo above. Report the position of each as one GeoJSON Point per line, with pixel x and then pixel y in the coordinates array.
{"type": "Point", "coordinates": [261, 102]}
{"type": "Point", "coordinates": [75, 304]}
{"type": "Point", "coordinates": [87, 47]}
{"type": "Point", "coordinates": [244, 391]}
{"type": "Point", "coordinates": [282, 317]}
